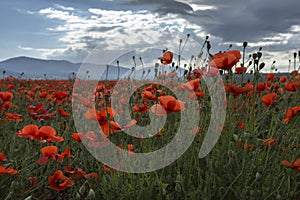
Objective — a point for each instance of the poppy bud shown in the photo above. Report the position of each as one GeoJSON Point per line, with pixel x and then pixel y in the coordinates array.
{"type": "Point", "coordinates": [250, 63]}
{"type": "Point", "coordinates": [4, 71]}
{"type": "Point", "coordinates": [260, 48]}
{"type": "Point", "coordinates": [207, 37]}
{"type": "Point", "coordinates": [295, 55]}
{"type": "Point", "coordinates": [259, 54]}
{"type": "Point", "coordinates": [185, 72]}
{"type": "Point", "coordinates": [188, 35]}
{"type": "Point", "coordinates": [299, 53]}
{"type": "Point", "coordinates": [261, 66]}
{"type": "Point", "coordinates": [254, 55]}
{"type": "Point", "coordinates": [245, 44]}
{"type": "Point", "coordinates": [208, 45]}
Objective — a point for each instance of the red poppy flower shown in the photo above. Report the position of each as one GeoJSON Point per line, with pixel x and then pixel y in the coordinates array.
{"type": "Point", "coordinates": [282, 79]}
{"type": "Point", "coordinates": [290, 87]}
{"type": "Point", "coordinates": [270, 77]}
{"type": "Point", "coordinates": [13, 116]}
{"type": "Point", "coordinates": [290, 113]}
{"type": "Point", "coordinates": [47, 153]}
{"type": "Point", "coordinates": [6, 96]}
{"type": "Point", "coordinates": [148, 95]}
{"type": "Point", "coordinates": [28, 131]}
{"type": "Point", "coordinates": [63, 113]}
{"type": "Point", "coordinates": [240, 70]}
{"type": "Point", "coordinates": [78, 137]}
{"type": "Point", "coordinates": [171, 104]}
{"type": "Point", "coordinates": [166, 58]}
{"type": "Point", "coordinates": [236, 90]}
{"type": "Point", "coordinates": [8, 170]}
{"type": "Point", "coordinates": [269, 142]}
{"type": "Point", "coordinates": [225, 60]}
{"type": "Point", "coordinates": [261, 87]}
{"type": "Point", "coordinates": [65, 154]}
{"type": "Point", "coordinates": [294, 165]}
{"type": "Point", "coordinates": [59, 182]}
{"type": "Point", "coordinates": [2, 157]}
{"type": "Point", "coordinates": [268, 99]}
{"type": "Point", "coordinates": [192, 85]}
{"type": "Point", "coordinates": [141, 108]}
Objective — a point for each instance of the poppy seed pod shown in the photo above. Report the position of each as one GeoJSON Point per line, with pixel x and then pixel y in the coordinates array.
{"type": "Point", "coordinates": [208, 45]}
{"type": "Point", "coordinates": [254, 55]}
{"type": "Point", "coordinates": [245, 44]}
{"type": "Point", "coordinates": [261, 66]}
{"type": "Point", "coordinates": [259, 55]}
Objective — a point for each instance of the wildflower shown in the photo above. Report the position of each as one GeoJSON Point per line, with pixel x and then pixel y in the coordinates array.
{"type": "Point", "coordinates": [269, 142]}
{"type": "Point", "coordinates": [6, 96]}
{"type": "Point", "coordinates": [240, 70]}
{"type": "Point", "coordinates": [78, 137]}
{"type": "Point", "coordinates": [295, 165]}
{"type": "Point", "coordinates": [270, 77]}
{"type": "Point", "coordinates": [191, 86]}
{"type": "Point", "coordinates": [8, 170]}
{"type": "Point", "coordinates": [2, 157]}
{"type": "Point", "coordinates": [268, 99]}
{"type": "Point", "coordinates": [290, 113]}
{"type": "Point", "coordinates": [66, 153]}
{"type": "Point", "coordinates": [236, 90]}
{"type": "Point", "coordinates": [28, 131]}
{"type": "Point", "coordinates": [171, 104]}
{"type": "Point", "coordinates": [290, 87]}
{"type": "Point", "coordinates": [13, 116]}
{"type": "Point", "coordinates": [59, 182]}
{"type": "Point", "coordinates": [225, 60]}
{"type": "Point", "coordinates": [166, 58]}
{"type": "Point", "coordinates": [63, 113]}
{"type": "Point", "coordinates": [47, 153]}
{"type": "Point", "coordinates": [282, 79]}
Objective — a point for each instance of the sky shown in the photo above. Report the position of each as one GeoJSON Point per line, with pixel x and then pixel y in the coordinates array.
{"type": "Point", "coordinates": [72, 29]}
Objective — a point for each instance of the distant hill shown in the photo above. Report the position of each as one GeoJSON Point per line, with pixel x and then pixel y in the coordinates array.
{"type": "Point", "coordinates": [34, 68]}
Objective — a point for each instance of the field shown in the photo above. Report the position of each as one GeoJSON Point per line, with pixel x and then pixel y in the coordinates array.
{"type": "Point", "coordinates": [45, 156]}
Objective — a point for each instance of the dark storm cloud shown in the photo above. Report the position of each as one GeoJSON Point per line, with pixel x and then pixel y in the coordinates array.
{"type": "Point", "coordinates": [164, 7]}
{"type": "Point", "coordinates": [251, 20]}
{"type": "Point", "coordinates": [234, 20]}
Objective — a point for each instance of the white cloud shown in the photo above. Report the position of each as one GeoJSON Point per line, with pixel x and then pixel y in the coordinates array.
{"type": "Point", "coordinates": [114, 31]}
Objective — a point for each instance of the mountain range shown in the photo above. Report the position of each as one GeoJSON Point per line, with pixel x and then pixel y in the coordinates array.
{"type": "Point", "coordinates": [33, 68]}
{"type": "Point", "coordinates": [26, 67]}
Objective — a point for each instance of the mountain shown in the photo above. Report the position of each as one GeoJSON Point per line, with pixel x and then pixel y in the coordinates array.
{"type": "Point", "coordinates": [34, 68]}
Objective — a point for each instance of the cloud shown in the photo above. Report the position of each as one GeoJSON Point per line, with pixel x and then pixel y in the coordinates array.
{"type": "Point", "coordinates": [114, 31]}
{"type": "Point", "coordinates": [272, 24]}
